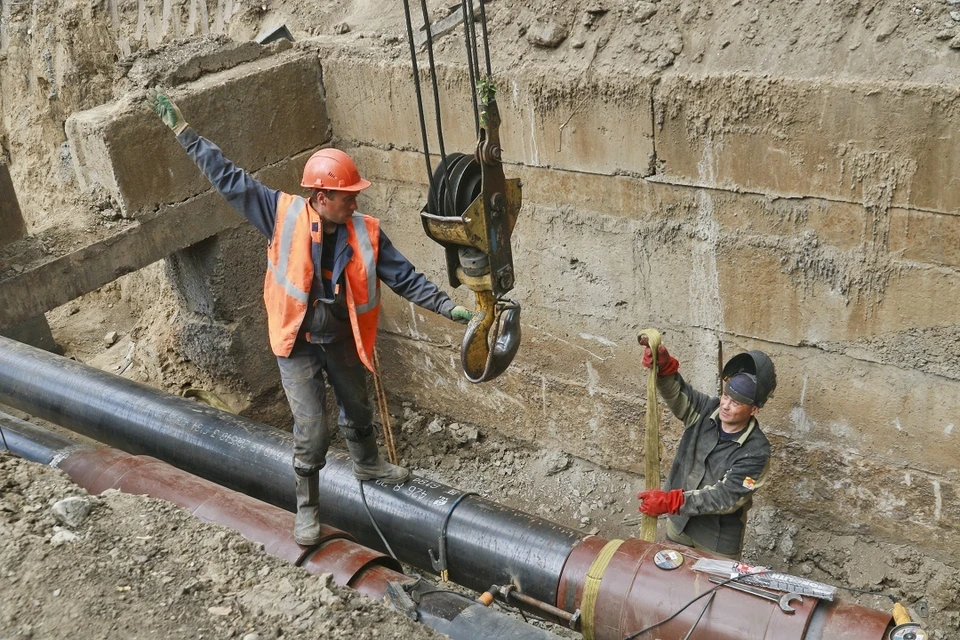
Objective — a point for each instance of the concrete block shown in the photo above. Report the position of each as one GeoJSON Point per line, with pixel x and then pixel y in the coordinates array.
{"type": "Point", "coordinates": [238, 351]}
{"type": "Point", "coordinates": [127, 149]}
{"type": "Point", "coordinates": [925, 238]}
{"type": "Point", "coordinates": [56, 282]}
{"type": "Point", "coordinates": [886, 413]}
{"type": "Point", "coordinates": [830, 298]}
{"type": "Point", "coordinates": [35, 332]}
{"type": "Point", "coordinates": [864, 496]}
{"type": "Point", "coordinates": [217, 277]}
{"type": "Point", "coordinates": [374, 103]}
{"type": "Point", "coordinates": [842, 141]}
{"type": "Point", "coordinates": [600, 124]}
{"type": "Point", "coordinates": [12, 226]}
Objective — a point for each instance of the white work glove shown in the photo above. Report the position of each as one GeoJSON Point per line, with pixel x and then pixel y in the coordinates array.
{"type": "Point", "coordinates": [461, 315]}
{"type": "Point", "coordinates": [168, 112]}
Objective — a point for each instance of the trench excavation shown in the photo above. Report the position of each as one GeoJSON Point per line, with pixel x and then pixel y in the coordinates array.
{"type": "Point", "coordinates": [740, 177]}
{"type": "Point", "coordinates": [613, 588]}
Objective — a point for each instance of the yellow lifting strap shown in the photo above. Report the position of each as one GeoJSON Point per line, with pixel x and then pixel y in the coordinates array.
{"type": "Point", "coordinates": [651, 441]}
{"type": "Point", "coordinates": [591, 587]}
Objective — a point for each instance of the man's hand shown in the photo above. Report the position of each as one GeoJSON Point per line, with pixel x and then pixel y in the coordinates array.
{"type": "Point", "coordinates": [667, 365]}
{"type": "Point", "coordinates": [461, 315]}
{"type": "Point", "coordinates": [655, 502]}
{"type": "Point", "coordinates": [168, 112]}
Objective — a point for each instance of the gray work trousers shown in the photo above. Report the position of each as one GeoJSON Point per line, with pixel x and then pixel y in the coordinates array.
{"type": "Point", "coordinates": [305, 374]}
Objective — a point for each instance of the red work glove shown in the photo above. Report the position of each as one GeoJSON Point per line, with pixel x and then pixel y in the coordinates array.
{"type": "Point", "coordinates": [656, 502]}
{"type": "Point", "coordinates": [667, 365]}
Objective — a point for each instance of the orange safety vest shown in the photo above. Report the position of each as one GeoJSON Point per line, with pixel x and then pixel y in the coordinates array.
{"type": "Point", "coordinates": [286, 287]}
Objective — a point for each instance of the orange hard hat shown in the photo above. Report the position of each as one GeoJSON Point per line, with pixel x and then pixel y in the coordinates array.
{"type": "Point", "coordinates": [332, 169]}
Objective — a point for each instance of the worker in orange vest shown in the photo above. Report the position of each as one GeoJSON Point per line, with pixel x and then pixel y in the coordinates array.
{"type": "Point", "coordinates": [322, 293]}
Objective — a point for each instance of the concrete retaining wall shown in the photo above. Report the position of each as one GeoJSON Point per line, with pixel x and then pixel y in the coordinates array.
{"type": "Point", "coordinates": [814, 221]}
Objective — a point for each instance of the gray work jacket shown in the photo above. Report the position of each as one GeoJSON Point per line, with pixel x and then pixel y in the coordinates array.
{"type": "Point", "coordinates": [718, 477]}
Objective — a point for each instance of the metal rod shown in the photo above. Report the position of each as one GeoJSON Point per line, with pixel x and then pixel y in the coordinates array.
{"type": "Point", "coordinates": [510, 593]}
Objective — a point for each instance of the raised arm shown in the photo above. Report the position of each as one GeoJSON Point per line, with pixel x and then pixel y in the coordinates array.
{"type": "Point", "coordinates": [254, 201]}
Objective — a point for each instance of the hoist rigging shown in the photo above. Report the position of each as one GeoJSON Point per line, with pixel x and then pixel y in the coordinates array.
{"type": "Point", "coordinates": [472, 207]}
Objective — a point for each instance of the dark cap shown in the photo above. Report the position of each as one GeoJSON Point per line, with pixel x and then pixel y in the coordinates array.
{"type": "Point", "coordinates": [743, 388]}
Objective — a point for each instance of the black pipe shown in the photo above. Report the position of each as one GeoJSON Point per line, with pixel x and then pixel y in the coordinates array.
{"type": "Point", "coordinates": [34, 443]}
{"type": "Point", "coordinates": [486, 542]}
{"type": "Point", "coordinates": [448, 612]}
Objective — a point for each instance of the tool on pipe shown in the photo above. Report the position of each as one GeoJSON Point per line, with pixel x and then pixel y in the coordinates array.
{"type": "Point", "coordinates": [783, 600]}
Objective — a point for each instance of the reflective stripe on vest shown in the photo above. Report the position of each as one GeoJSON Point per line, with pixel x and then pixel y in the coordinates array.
{"type": "Point", "coordinates": [289, 273]}
{"type": "Point", "coordinates": [363, 286]}
{"type": "Point", "coordinates": [279, 270]}
{"type": "Point", "coordinates": [369, 261]}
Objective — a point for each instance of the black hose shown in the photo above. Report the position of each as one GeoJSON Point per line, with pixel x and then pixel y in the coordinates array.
{"type": "Point", "coordinates": [472, 27]}
{"type": "Point", "coordinates": [436, 88]}
{"type": "Point", "coordinates": [700, 617]}
{"type": "Point", "coordinates": [486, 40]}
{"type": "Point", "coordinates": [471, 61]}
{"type": "Point", "coordinates": [373, 521]}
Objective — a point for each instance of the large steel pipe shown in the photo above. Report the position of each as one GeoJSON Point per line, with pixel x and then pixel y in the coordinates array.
{"type": "Point", "coordinates": [350, 564]}
{"type": "Point", "coordinates": [487, 543]}
{"type": "Point", "coordinates": [32, 443]}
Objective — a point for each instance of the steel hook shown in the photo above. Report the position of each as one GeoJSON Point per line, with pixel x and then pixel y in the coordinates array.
{"type": "Point", "coordinates": [492, 338]}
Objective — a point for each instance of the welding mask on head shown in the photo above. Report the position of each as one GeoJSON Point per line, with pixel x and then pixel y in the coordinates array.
{"type": "Point", "coordinates": [758, 364]}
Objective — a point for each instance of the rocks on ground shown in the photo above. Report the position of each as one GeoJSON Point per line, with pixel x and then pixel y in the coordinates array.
{"type": "Point", "coordinates": [121, 566]}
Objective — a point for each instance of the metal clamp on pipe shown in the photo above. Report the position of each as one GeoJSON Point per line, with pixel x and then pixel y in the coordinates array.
{"type": "Point", "coordinates": [471, 210]}
{"type": "Point", "coordinates": [511, 592]}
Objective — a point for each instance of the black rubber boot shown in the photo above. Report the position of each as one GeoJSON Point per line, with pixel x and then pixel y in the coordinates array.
{"type": "Point", "coordinates": [306, 528]}
{"type": "Point", "coordinates": [368, 465]}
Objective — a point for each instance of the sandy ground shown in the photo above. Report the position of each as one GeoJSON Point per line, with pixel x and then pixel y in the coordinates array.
{"type": "Point", "coordinates": [135, 567]}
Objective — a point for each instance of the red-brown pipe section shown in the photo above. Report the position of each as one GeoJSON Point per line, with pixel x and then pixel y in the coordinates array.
{"type": "Point", "coordinates": [634, 593]}
{"type": "Point", "coordinates": [351, 564]}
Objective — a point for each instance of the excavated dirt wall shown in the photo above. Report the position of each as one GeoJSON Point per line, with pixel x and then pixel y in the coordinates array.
{"type": "Point", "coordinates": [806, 214]}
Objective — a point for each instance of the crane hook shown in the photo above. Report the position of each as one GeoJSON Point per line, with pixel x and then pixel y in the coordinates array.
{"type": "Point", "coordinates": [491, 339]}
